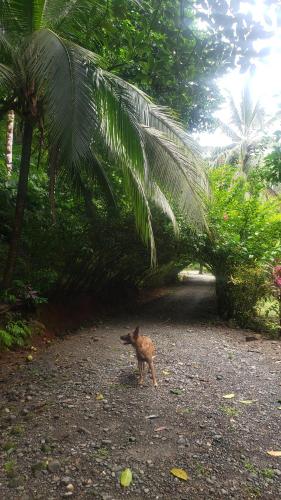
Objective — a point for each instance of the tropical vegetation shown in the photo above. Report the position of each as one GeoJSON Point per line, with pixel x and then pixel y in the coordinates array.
{"type": "Point", "coordinates": [102, 188]}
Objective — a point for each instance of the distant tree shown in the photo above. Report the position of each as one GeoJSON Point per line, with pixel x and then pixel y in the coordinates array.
{"type": "Point", "coordinates": [248, 129]}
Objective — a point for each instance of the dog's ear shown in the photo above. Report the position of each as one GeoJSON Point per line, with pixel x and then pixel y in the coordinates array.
{"type": "Point", "coordinates": [136, 332]}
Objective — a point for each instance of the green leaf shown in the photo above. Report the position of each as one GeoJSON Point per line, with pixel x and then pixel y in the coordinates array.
{"type": "Point", "coordinates": [126, 478]}
{"type": "Point", "coordinates": [176, 391]}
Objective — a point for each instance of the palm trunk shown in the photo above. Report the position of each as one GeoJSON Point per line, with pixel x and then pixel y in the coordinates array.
{"type": "Point", "coordinates": [9, 141]}
{"type": "Point", "coordinates": [20, 204]}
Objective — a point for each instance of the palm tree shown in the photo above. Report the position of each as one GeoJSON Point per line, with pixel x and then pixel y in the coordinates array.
{"type": "Point", "coordinates": [87, 115]}
{"type": "Point", "coordinates": [247, 129]}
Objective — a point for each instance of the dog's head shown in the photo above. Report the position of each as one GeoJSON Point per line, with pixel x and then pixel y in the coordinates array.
{"type": "Point", "coordinates": [131, 337]}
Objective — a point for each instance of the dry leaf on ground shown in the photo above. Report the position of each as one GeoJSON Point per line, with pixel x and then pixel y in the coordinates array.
{"type": "Point", "coordinates": [179, 473]}
{"type": "Point", "coordinates": [273, 453]}
{"type": "Point", "coordinates": [247, 401]}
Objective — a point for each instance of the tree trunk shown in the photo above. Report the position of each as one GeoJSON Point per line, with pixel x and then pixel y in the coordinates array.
{"type": "Point", "coordinates": [225, 307]}
{"type": "Point", "coordinates": [53, 167]}
{"type": "Point", "coordinates": [20, 204]}
{"type": "Point", "coordinates": [9, 141]}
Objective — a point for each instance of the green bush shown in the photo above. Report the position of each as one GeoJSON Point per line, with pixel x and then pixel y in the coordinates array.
{"type": "Point", "coordinates": [248, 285]}
{"type": "Point", "coordinates": [15, 334]}
{"type": "Point", "coordinates": [244, 238]}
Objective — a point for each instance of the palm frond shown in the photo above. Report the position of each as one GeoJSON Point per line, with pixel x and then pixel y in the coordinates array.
{"type": "Point", "coordinates": [176, 173]}
{"type": "Point", "coordinates": [136, 192]}
{"type": "Point", "coordinates": [60, 72]}
{"type": "Point", "coordinates": [54, 11]}
{"type": "Point", "coordinates": [7, 78]}
{"type": "Point", "coordinates": [160, 200]}
{"type": "Point", "coordinates": [154, 116]}
{"type": "Point", "coordinates": [256, 121]}
{"type": "Point", "coordinates": [17, 16]}
{"type": "Point", "coordinates": [119, 126]}
{"type": "Point", "coordinates": [95, 171]}
{"type": "Point", "coordinates": [235, 114]}
{"type": "Point", "coordinates": [121, 134]}
{"type": "Point", "coordinates": [246, 106]}
{"type": "Point", "coordinates": [184, 158]}
{"type": "Point", "coordinates": [229, 131]}
{"type": "Point", "coordinates": [6, 48]}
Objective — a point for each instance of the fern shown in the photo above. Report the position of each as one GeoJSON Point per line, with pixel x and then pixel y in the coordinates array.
{"type": "Point", "coordinates": [16, 334]}
{"type": "Point", "coordinates": [6, 339]}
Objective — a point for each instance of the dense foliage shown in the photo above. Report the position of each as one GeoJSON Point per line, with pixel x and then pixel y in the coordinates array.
{"type": "Point", "coordinates": [88, 247]}
{"type": "Point", "coordinates": [244, 241]}
{"type": "Point", "coordinates": [171, 49]}
{"type": "Point", "coordinates": [271, 170]}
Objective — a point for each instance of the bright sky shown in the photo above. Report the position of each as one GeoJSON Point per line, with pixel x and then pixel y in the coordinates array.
{"type": "Point", "coordinates": [267, 79]}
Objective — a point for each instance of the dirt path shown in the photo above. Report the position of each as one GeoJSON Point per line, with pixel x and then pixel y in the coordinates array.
{"type": "Point", "coordinates": [49, 411]}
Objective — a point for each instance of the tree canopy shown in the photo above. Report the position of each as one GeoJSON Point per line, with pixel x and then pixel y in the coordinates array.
{"type": "Point", "coordinates": [89, 116]}
{"type": "Point", "coordinates": [171, 49]}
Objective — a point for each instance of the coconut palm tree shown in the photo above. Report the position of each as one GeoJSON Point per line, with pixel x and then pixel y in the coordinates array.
{"type": "Point", "coordinates": [87, 115]}
{"type": "Point", "coordinates": [247, 129]}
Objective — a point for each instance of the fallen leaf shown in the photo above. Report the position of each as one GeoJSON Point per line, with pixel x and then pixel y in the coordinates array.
{"type": "Point", "coordinates": [229, 396]}
{"type": "Point", "coordinates": [180, 473]}
{"type": "Point", "coordinates": [126, 478]}
{"type": "Point", "coordinates": [274, 453]}
{"type": "Point", "coordinates": [166, 372]}
{"type": "Point", "coordinates": [178, 392]}
{"type": "Point", "coordinates": [183, 410]}
{"type": "Point", "coordinates": [99, 396]}
{"type": "Point", "coordinates": [159, 429]}
{"type": "Point", "coordinates": [247, 401]}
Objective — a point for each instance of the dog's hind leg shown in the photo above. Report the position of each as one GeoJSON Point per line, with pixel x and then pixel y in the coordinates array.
{"type": "Point", "coordinates": [152, 369]}
{"type": "Point", "coordinates": [141, 371]}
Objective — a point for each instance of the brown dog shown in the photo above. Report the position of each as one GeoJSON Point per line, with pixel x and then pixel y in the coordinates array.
{"type": "Point", "coordinates": [145, 351]}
